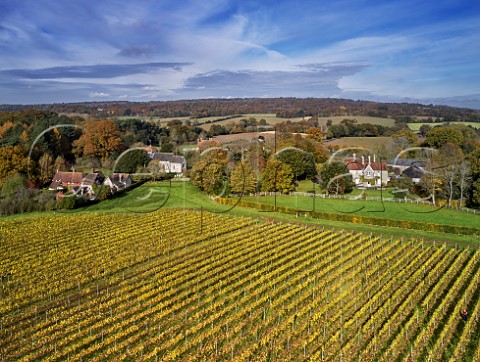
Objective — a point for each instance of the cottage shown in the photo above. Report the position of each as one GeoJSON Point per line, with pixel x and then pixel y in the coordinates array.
{"type": "Point", "coordinates": [76, 182]}
{"type": "Point", "coordinates": [93, 178]}
{"type": "Point", "coordinates": [64, 180]}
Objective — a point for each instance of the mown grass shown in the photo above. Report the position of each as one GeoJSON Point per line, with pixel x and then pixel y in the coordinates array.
{"type": "Point", "coordinates": [380, 209]}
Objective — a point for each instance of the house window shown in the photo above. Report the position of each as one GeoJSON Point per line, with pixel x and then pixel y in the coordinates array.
{"type": "Point", "coordinates": [368, 174]}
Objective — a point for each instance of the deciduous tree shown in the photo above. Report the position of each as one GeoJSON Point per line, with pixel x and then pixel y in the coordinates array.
{"type": "Point", "coordinates": [315, 134]}
{"type": "Point", "coordinates": [243, 179]}
{"type": "Point", "coordinates": [473, 199]}
{"type": "Point", "coordinates": [209, 173]}
{"type": "Point", "coordinates": [12, 161]}
{"type": "Point", "coordinates": [46, 168]}
{"type": "Point", "coordinates": [302, 163]}
{"type": "Point", "coordinates": [277, 176]}
{"type": "Point", "coordinates": [439, 136]}
{"type": "Point", "coordinates": [100, 139]}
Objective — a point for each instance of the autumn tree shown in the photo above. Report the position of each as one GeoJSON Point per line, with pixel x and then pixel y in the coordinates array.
{"type": "Point", "coordinates": [60, 164]}
{"type": "Point", "coordinates": [405, 138]}
{"type": "Point", "coordinates": [12, 161]}
{"type": "Point", "coordinates": [439, 136]}
{"type": "Point", "coordinates": [45, 168]}
{"type": "Point", "coordinates": [210, 171]}
{"type": "Point", "coordinates": [257, 158]}
{"type": "Point", "coordinates": [100, 139]}
{"type": "Point", "coordinates": [315, 134]}
{"type": "Point", "coordinates": [277, 176]}
{"type": "Point", "coordinates": [424, 129]}
{"type": "Point", "coordinates": [243, 179]}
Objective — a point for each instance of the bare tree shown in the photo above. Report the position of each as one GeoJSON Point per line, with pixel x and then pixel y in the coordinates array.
{"type": "Point", "coordinates": [465, 178]}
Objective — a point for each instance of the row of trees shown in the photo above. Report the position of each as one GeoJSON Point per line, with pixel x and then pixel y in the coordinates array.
{"type": "Point", "coordinates": [450, 153]}
{"type": "Point", "coordinates": [283, 107]}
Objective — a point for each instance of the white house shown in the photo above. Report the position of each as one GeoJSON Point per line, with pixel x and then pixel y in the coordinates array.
{"type": "Point", "coordinates": [170, 163]}
{"type": "Point", "coordinates": [367, 174]}
{"type": "Point", "coordinates": [76, 182]}
{"type": "Point", "coordinates": [118, 181]}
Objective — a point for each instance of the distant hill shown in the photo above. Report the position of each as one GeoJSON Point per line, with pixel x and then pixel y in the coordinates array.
{"type": "Point", "coordinates": [282, 107]}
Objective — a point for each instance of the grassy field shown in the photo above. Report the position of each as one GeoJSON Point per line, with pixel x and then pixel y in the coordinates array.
{"type": "Point", "coordinates": [183, 195]}
{"type": "Point", "coordinates": [387, 122]}
{"type": "Point", "coordinates": [416, 126]}
{"type": "Point", "coordinates": [385, 209]}
{"type": "Point", "coordinates": [366, 142]}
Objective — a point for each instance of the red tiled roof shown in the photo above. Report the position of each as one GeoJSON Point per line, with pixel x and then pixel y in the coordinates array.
{"type": "Point", "coordinates": [65, 179]}
{"type": "Point", "coordinates": [355, 166]}
{"type": "Point", "coordinates": [379, 166]}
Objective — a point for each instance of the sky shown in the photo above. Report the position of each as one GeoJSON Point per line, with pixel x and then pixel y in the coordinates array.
{"type": "Point", "coordinates": [107, 50]}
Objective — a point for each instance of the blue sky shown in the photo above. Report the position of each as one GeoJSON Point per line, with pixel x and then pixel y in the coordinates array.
{"type": "Point", "coordinates": [64, 51]}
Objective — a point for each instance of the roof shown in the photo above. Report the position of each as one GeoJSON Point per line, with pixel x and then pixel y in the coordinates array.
{"type": "Point", "coordinates": [64, 178]}
{"type": "Point", "coordinates": [168, 157]}
{"type": "Point", "coordinates": [413, 172]}
{"type": "Point", "coordinates": [93, 177]}
{"type": "Point", "coordinates": [378, 166]}
{"type": "Point", "coordinates": [355, 166]}
{"type": "Point", "coordinates": [358, 166]}
{"type": "Point", "coordinates": [406, 162]}
{"type": "Point", "coordinates": [119, 179]}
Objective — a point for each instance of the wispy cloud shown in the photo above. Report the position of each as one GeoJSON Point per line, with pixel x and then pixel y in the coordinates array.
{"type": "Point", "coordinates": [90, 71]}
{"type": "Point", "coordinates": [170, 49]}
{"type": "Point", "coordinates": [319, 79]}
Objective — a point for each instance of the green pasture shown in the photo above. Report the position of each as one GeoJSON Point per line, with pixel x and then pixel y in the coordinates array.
{"type": "Point", "coordinates": [371, 143]}
{"type": "Point", "coordinates": [387, 122]}
{"type": "Point", "coordinates": [416, 126]}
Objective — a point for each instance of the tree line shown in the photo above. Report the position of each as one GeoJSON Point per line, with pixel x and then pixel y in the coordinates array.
{"type": "Point", "coordinates": [282, 107]}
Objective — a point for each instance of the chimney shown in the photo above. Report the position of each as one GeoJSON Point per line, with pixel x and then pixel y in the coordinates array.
{"type": "Point", "coordinates": [363, 160]}
{"type": "Point", "coordinates": [368, 159]}
{"type": "Point", "coordinates": [373, 157]}
{"type": "Point", "coordinates": [354, 157]}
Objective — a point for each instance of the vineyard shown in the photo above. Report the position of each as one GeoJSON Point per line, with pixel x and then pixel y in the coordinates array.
{"type": "Point", "coordinates": [181, 285]}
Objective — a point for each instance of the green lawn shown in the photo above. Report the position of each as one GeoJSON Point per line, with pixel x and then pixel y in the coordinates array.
{"type": "Point", "coordinates": [385, 209]}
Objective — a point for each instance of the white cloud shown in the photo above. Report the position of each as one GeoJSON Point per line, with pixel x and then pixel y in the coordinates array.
{"type": "Point", "coordinates": [98, 95]}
